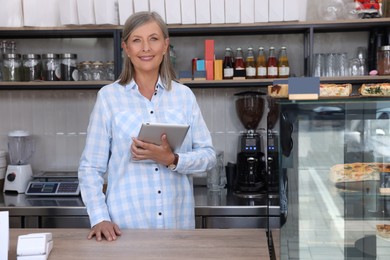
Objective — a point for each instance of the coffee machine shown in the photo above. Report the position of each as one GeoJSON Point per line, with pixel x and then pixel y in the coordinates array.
{"type": "Point", "coordinates": [250, 176]}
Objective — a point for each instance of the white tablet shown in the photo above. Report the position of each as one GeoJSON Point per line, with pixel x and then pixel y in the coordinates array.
{"type": "Point", "coordinates": [152, 132]}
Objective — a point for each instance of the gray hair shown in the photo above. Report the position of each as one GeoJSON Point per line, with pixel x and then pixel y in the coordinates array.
{"type": "Point", "coordinates": [167, 73]}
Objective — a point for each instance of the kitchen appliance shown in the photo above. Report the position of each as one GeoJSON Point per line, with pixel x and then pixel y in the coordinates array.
{"type": "Point", "coordinates": [54, 183]}
{"type": "Point", "coordinates": [19, 172]}
{"type": "Point", "coordinates": [250, 177]}
{"type": "Point", "coordinates": [272, 162]}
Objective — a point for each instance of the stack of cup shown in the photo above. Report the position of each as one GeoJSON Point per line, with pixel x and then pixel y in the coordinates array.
{"type": "Point", "coordinates": [3, 168]}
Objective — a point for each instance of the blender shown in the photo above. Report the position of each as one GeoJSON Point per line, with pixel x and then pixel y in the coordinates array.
{"type": "Point", "coordinates": [250, 178]}
{"type": "Point", "coordinates": [19, 172]}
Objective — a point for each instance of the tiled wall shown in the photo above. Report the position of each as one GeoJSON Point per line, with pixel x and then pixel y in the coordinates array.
{"type": "Point", "coordinates": [58, 120]}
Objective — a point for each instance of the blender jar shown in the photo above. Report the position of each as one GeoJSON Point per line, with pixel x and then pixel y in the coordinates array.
{"type": "Point", "coordinates": [20, 147]}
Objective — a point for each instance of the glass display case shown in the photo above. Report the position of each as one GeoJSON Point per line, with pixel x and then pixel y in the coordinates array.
{"type": "Point", "coordinates": [334, 177]}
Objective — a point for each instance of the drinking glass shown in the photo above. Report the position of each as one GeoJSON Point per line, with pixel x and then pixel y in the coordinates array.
{"type": "Point", "coordinates": [354, 65]}
{"type": "Point", "coordinates": [330, 64]}
{"type": "Point", "coordinates": [318, 65]}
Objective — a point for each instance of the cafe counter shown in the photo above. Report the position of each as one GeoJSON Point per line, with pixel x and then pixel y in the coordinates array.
{"type": "Point", "coordinates": [213, 209]}
{"type": "Point", "coordinates": [242, 244]}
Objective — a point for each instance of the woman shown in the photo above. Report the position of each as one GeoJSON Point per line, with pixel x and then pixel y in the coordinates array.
{"type": "Point", "coordinates": [140, 194]}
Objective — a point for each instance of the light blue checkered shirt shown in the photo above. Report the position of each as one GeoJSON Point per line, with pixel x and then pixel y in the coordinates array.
{"type": "Point", "coordinates": [142, 195]}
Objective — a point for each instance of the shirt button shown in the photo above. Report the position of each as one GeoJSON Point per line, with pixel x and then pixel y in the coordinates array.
{"type": "Point", "coordinates": [155, 93]}
{"type": "Point", "coordinates": [151, 112]}
{"type": "Point", "coordinates": [159, 213]}
{"type": "Point", "coordinates": [159, 192]}
{"type": "Point", "coordinates": [156, 169]}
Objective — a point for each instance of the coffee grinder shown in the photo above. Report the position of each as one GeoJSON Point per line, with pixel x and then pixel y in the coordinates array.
{"type": "Point", "coordinates": [250, 176]}
{"type": "Point", "coordinates": [19, 172]}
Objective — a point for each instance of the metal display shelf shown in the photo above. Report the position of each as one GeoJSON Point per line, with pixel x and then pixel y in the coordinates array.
{"type": "Point", "coordinates": [306, 29]}
{"type": "Point", "coordinates": [255, 83]}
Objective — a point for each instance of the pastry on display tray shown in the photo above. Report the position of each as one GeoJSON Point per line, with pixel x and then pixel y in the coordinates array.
{"type": "Point", "coordinates": [326, 90]}
{"type": "Point", "coordinates": [383, 231]}
{"type": "Point", "coordinates": [358, 171]}
{"type": "Point", "coordinates": [335, 90]}
{"type": "Point", "coordinates": [278, 90]}
{"type": "Point", "coordinates": [375, 89]}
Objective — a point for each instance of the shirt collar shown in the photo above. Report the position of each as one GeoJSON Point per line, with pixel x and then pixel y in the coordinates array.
{"type": "Point", "coordinates": [133, 84]}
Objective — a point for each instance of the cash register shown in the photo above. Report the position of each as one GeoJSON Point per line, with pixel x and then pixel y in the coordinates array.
{"type": "Point", "coordinates": [54, 183]}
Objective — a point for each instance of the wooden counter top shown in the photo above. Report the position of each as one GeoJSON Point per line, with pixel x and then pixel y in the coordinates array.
{"type": "Point", "coordinates": [154, 244]}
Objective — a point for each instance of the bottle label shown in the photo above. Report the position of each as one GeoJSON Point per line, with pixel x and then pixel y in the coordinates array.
{"type": "Point", "coordinates": [284, 71]}
{"type": "Point", "coordinates": [228, 72]}
{"type": "Point", "coordinates": [272, 71]}
{"type": "Point", "coordinates": [261, 71]}
{"type": "Point", "coordinates": [250, 71]}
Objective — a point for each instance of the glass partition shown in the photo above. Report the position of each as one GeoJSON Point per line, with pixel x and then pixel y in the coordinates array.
{"type": "Point", "coordinates": [334, 163]}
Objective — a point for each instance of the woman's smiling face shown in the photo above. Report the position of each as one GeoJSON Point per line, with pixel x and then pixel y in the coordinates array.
{"type": "Point", "coordinates": [146, 47]}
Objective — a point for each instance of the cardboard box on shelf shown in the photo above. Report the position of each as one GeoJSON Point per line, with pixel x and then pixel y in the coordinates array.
{"type": "Point", "coordinates": [172, 11]}
{"type": "Point", "coordinates": [69, 14]}
{"type": "Point", "coordinates": [217, 11]}
{"type": "Point", "coordinates": [218, 70]}
{"type": "Point", "coordinates": [35, 15]}
{"type": "Point", "coordinates": [232, 11]}
{"type": "Point", "coordinates": [141, 5]}
{"type": "Point", "coordinates": [106, 12]}
{"type": "Point", "coordinates": [291, 10]}
{"type": "Point", "coordinates": [125, 10]}
{"type": "Point", "coordinates": [11, 13]}
{"type": "Point", "coordinates": [188, 11]}
{"type": "Point", "coordinates": [185, 75]}
{"type": "Point", "coordinates": [209, 51]}
{"type": "Point", "coordinates": [202, 11]}
{"type": "Point", "coordinates": [261, 11]}
{"type": "Point", "coordinates": [200, 75]}
{"type": "Point", "coordinates": [158, 6]}
{"type": "Point", "coordinates": [275, 13]}
{"type": "Point", "coordinates": [200, 65]}
{"type": "Point", "coordinates": [86, 11]}
{"type": "Point", "coordinates": [247, 11]}
{"type": "Point", "coordinates": [209, 69]}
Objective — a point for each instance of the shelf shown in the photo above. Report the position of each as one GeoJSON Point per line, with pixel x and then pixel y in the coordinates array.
{"type": "Point", "coordinates": [255, 83]}
{"type": "Point", "coordinates": [307, 28]}
{"type": "Point", "coordinates": [278, 27]}
{"type": "Point", "coordinates": [52, 85]}
{"type": "Point", "coordinates": [58, 32]}
{"type": "Point", "coordinates": [202, 29]}
{"type": "Point", "coordinates": [266, 82]}
{"type": "Point", "coordinates": [356, 79]}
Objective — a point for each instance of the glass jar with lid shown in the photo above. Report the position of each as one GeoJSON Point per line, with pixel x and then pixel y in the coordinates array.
{"type": "Point", "coordinates": [85, 70]}
{"type": "Point", "coordinates": [98, 72]}
{"type": "Point", "coordinates": [110, 70]}
{"type": "Point", "coordinates": [32, 67]}
{"type": "Point", "coordinates": [12, 67]}
{"type": "Point", "coordinates": [68, 67]}
{"type": "Point", "coordinates": [51, 67]}
{"type": "Point", "coordinates": [383, 61]}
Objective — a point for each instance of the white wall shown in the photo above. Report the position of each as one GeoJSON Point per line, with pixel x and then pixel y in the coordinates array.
{"type": "Point", "coordinates": [59, 118]}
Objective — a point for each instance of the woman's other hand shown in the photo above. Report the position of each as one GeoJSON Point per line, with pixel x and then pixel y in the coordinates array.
{"type": "Point", "coordinates": [159, 153]}
{"type": "Point", "coordinates": [105, 229]}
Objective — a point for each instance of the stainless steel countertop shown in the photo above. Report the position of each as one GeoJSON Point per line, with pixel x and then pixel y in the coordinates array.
{"type": "Point", "coordinates": [207, 203]}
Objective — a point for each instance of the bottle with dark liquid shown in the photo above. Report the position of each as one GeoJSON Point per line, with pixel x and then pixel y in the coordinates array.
{"type": "Point", "coordinates": [283, 67]}
{"type": "Point", "coordinates": [261, 64]}
{"type": "Point", "coordinates": [239, 64]}
{"type": "Point", "coordinates": [250, 66]}
{"type": "Point", "coordinates": [272, 64]}
{"type": "Point", "coordinates": [228, 68]}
